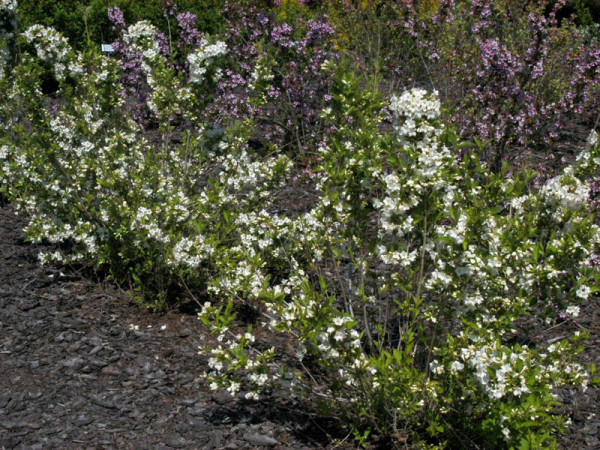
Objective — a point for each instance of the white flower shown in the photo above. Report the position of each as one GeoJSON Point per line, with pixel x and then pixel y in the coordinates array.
{"type": "Point", "coordinates": [436, 367]}
{"type": "Point", "coordinates": [234, 387]}
{"type": "Point", "coordinates": [583, 292]}
{"type": "Point", "coordinates": [339, 336]}
{"type": "Point", "coordinates": [213, 363]}
{"type": "Point", "coordinates": [456, 366]}
{"type": "Point", "coordinates": [339, 321]}
{"type": "Point", "coordinates": [572, 311]}
{"type": "Point", "coordinates": [9, 6]}
{"type": "Point", "coordinates": [202, 57]}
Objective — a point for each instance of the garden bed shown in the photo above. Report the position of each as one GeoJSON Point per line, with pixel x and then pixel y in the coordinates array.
{"type": "Point", "coordinates": [75, 371]}
{"type": "Point", "coordinates": [80, 366]}
{"type": "Point", "coordinates": [420, 269]}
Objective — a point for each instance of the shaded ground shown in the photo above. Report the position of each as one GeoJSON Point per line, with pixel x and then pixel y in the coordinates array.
{"type": "Point", "coordinates": [82, 367]}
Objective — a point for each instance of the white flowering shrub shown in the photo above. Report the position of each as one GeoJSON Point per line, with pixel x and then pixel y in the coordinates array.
{"type": "Point", "coordinates": [397, 292]}
{"type": "Point", "coordinates": [426, 264]}
{"type": "Point", "coordinates": [8, 27]}
{"type": "Point", "coordinates": [52, 48]}
{"type": "Point", "coordinates": [156, 215]}
{"type": "Point", "coordinates": [202, 59]}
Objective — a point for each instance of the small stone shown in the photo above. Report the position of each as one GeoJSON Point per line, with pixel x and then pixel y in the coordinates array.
{"type": "Point", "coordinates": [98, 363]}
{"type": "Point", "coordinates": [200, 411]}
{"type": "Point", "coordinates": [73, 363]}
{"type": "Point", "coordinates": [185, 333]}
{"type": "Point", "coordinates": [111, 370]}
{"type": "Point", "coordinates": [82, 421]}
{"type": "Point", "coordinates": [4, 399]}
{"type": "Point", "coordinates": [189, 401]}
{"type": "Point", "coordinates": [177, 443]}
{"type": "Point", "coordinates": [592, 442]}
{"type": "Point", "coordinates": [259, 439]}
{"type": "Point", "coordinates": [33, 395]}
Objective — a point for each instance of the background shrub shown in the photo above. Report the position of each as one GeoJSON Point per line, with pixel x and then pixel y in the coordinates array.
{"type": "Point", "coordinates": [83, 19]}
{"type": "Point", "coordinates": [507, 72]}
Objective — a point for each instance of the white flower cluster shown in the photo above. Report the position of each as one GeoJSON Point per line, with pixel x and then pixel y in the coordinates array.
{"type": "Point", "coordinates": [414, 111]}
{"type": "Point", "coordinates": [141, 37]}
{"type": "Point", "coordinates": [191, 252]}
{"type": "Point", "coordinates": [259, 367]}
{"type": "Point", "coordinates": [241, 172]}
{"type": "Point", "coordinates": [567, 191]}
{"type": "Point", "coordinates": [499, 371]}
{"type": "Point", "coordinates": [394, 207]}
{"type": "Point", "coordinates": [416, 104]}
{"type": "Point", "coordinates": [572, 311]}
{"type": "Point", "coordinates": [203, 57]}
{"type": "Point", "coordinates": [9, 6]}
{"type": "Point", "coordinates": [337, 336]}
{"type": "Point", "coordinates": [51, 47]}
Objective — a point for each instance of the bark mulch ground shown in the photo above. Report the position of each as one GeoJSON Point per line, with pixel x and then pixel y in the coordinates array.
{"type": "Point", "coordinates": [83, 367]}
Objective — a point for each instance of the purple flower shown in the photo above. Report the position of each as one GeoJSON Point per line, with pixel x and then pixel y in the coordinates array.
{"type": "Point", "coordinates": [189, 33]}
{"type": "Point", "coordinates": [115, 15]}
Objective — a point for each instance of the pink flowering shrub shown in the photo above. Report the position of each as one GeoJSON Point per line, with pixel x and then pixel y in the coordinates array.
{"type": "Point", "coordinates": [508, 73]}
{"type": "Point", "coordinates": [296, 90]}
{"type": "Point", "coordinates": [514, 77]}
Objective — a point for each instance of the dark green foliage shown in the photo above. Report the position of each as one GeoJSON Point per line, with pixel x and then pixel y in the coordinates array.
{"type": "Point", "coordinates": [65, 16]}
{"type": "Point", "coordinates": [87, 20]}
{"type": "Point", "coordinates": [208, 13]}
{"type": "Point", "coordinates": [586, 12]}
